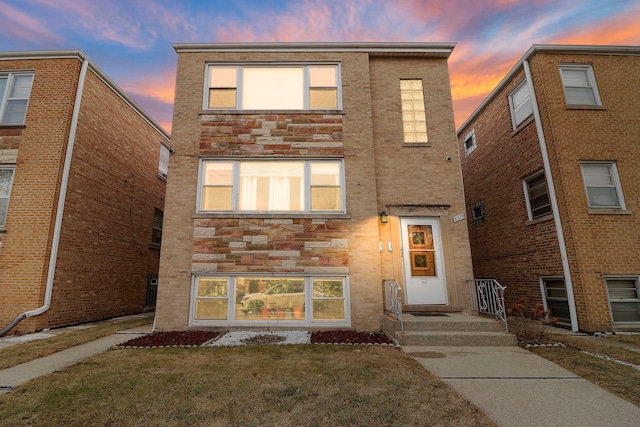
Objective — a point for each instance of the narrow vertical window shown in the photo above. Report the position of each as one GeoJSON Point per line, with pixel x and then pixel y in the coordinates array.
{"type": "Point", "coordinates": [478, 213]}
{"type": "Point", "coordinates": [537, 196]}
{"type": "Point", "coordinates": [212, 300]}
{"type": "Point", "coordinates": [414, 118]}
{"type": "Point", "coordinates": [6, 179]}
{"type": "Point", "coordinates": [520, 104]}
{"type": "Point", "coordinates": [217, 188]}
{"type": "Point", "coordinates": [156, 235]}
{"type": "Point", "coordinates": [469, 142]}
{"type": "Point", "coordinates": [163, 165]}
{"type": "Point", "coordinates": [223, 87]}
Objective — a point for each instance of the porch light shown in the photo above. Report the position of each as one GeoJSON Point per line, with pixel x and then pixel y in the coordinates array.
{"type": "Point", "coordinates": [384, 218]}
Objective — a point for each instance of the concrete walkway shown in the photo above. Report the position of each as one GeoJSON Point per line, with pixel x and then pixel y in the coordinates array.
{"type": "Point", "coordinates": [515, 387]}
{"type": "Point", "coordinates": [20, 374]}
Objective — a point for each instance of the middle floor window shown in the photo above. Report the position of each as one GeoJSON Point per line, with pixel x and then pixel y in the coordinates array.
{"type": "Point", "coordinates": [271, 186]}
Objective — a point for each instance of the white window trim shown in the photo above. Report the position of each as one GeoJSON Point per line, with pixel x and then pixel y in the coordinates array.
{"type": "Point", "coordinates": [13, 169]}
{"type": "Point", "coordinates": [616, 183]}
{"type": "Point", "coordinates": [471, 135]}
{"type": "Point", "coordinates": [527, 195]}
{"type": "Point", "coordinates": [240, 66]}
{"type": "Point", "coordinates": [4, 97]}
{"type": "Point", "coordinates": [609, 300]}
{"type": "Point", "coordinates": [543, 292]}
{"type": "Point", "coordinates": [163, 167]}
{"type": "Point", "coordinates": [231, 293]}
{"type": "Point", "coordinates": [236, 185]}
{"type": "Point", "coordinates": [512, 107]}
{"type": "Point", "coordinates": [590, 76]}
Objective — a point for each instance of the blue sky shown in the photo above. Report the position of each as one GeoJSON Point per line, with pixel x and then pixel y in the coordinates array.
{"type": "Point", "coordinates": [130, 40]}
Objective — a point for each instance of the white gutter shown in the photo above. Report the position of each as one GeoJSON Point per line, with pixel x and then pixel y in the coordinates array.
{"type": "Point", "coordinates": [61, 201]}
{"type": "Point", "coordinates": [553, 199]}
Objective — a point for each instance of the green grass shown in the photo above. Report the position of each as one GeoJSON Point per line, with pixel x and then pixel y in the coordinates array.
{"type": "Point", "coordinates": [67, 338]}
{"type": "Point", "coordinates": [310, 385]}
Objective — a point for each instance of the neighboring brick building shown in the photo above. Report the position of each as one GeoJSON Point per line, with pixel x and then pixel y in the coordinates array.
{"type": "Point", "coordinates": [555, 147]}
{"type": "Point", "coordinates": [80, 189]}
{"type": "Point", "coordinates": [286, 154]}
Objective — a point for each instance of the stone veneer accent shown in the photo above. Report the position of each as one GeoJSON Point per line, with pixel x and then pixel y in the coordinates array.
{"type": "Point", "coordinates": [271, 134]}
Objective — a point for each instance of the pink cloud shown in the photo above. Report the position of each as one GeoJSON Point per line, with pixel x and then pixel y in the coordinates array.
{"type": "Point", "coordinates": [19, 24]}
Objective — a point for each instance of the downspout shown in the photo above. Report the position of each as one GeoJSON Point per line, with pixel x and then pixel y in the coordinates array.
{"type": "Point", "coordinates": [61, 201]}
{"type": "Point", "coordinates": [554, 201]}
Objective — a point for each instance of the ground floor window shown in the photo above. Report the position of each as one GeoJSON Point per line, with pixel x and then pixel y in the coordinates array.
{"type": "Point", "coordinates": [624, 299]}
{"type": "Point", "coordinates": [224, 300]}
{"type": "Point", "coordinates": [554, 292]}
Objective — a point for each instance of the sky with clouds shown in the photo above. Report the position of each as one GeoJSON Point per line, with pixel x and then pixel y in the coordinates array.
{"type": "Point", "coordinates": [130, 40]}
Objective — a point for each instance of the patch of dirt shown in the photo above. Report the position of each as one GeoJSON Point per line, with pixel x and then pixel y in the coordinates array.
{"type": "Point", "coordinates": [197, 338]}
{"type": "Point", "coordinates": [264, 339]}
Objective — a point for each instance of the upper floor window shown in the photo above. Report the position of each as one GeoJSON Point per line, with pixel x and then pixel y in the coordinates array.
{"type": "Point", "coordinates": [469, 142]}
{"type": "Point", "coordinates": [414, 118]}
{"type": "Point", "coordinates": [603, 185]}
{"type": "Point", "coordinates": [537, 196]}
{"type": "Point", "coordinates": [478, 213]}
{"type": "Point", "coordinates": [520, 104]}
{"type": "Point", "coordinates": [273, 87]}
{"type": "Point", "coordinates": [14, 96]}
{"type": "Point", "coordinates": [270, 185]}
{"type": "Point", "coordinates": [6, 178]}
{"type": "Point", "coordinates": [579, 85]}
{"type": "Point", "coordinates": [163, 165]}
{"type": "Point", "coordinates": [156, 233]}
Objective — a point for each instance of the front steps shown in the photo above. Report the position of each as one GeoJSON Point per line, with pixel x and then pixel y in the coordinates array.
{"type": "Point", "coordinates": [453, 329]}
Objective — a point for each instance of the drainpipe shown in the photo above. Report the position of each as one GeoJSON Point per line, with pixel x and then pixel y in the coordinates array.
{"type": "Point", "coordinates": [554, 201]}
{"type": "Point", "coordinates": [61, 200]}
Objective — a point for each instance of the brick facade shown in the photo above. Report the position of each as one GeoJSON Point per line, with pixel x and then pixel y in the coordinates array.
{"type": "Point", "coordinates": [105, 250]}
{"type": "Point", "coordinates": [518, 252]}
{"type": "Point", "coordinates": [307, 244]}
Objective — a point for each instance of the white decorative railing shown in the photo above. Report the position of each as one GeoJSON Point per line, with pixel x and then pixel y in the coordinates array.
{"type": "Point", "coordinates": [393, 302]}
{"type": "Point", "coordinates": [487, 297]}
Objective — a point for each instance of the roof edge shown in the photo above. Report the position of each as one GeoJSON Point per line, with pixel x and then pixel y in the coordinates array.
{"type": "Point", "coordinates": [80, 55]}
{"type": "Point", "coordinates": [549, 48]}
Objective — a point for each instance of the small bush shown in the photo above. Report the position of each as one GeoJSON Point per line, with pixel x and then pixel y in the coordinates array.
{"type": "Point", "coordinates": [531, 327]}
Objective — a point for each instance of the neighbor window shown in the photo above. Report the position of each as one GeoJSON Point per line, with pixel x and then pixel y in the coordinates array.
{"type": "Point", "coordinates": [624, 299]}
{"type": "Point", "coordinates": [537, 196]}
{"type": "Point", "coordinates": [268, 185]}
{"type": "Point", "coordinates": [603, 185]}
{"type": "Point", "coordinates": [156, 235]}
{"type": "Point", "coordinates": [469, 142]}
{"type": "Point", "coordinates": [15, 89]}
{"type": "Point", "coordinates": [6, 178]}
{"type": "Point", "coordinates": [579, 84]}
{"type": "Point", "coordinates": [477, 212]}
{"type": "Point", "coordinates": [273, 87]}
{"type": "Point", "coordinates": [414, 119]}
{"type": "Point", "coordinates": [251, 299]}
{"type": "Point", "coordinates": [520, 104]}
{"type": "Point", "coordinates": [554, 292]}
{"type": "Point", "coordinates": [163, 165]}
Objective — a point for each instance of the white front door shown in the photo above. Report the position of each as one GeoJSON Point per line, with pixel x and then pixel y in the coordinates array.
{"type": "Point", "coordinates": [424, 279]}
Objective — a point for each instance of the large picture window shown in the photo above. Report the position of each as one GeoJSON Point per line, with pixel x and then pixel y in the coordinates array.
{"type": "Point", "coordinates": [272, 186]}
{"type": "Point", "coordinates": [15, 89]}
{"type": "Point", "coordinates": [273, 87]}
{"type": "Point", "coordinates": [255, 299]}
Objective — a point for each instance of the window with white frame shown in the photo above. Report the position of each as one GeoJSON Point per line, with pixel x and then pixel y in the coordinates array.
{"type": "Point", "coordinates": [295, 299]}
{"type": "Point", "coordinates": [15, 89]}
{"type": "Point", "coordinates": [271, 186]}
{"type": "Point", "coordinates": [602, 184]}
{"type": "Point", "coordinates": [414, 118]}
{"type": "Point", "coordinates": [478, 213]}
{"type": "Point", "coordinates": [579, 84]}
{"type": "Point", "coordinates": [537, 196]}
{"type": "Point", "coordinates": [520, 104]}
{"type": "Point", "coordinates": [554, 291]}
{"type": "Point", "coordinates": [163, 164]}
{"type": "Point", "coordinates": [624, 299]}
{"type": "Point", "coordinates": [469, 142]}
{"type": "Point", "coordinates": [273, 87]}
{"type": "Point", "coordinates": [6, 179]}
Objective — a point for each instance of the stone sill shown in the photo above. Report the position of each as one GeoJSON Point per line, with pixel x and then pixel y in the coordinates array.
{"type": "Point", "coordinates": [232, 215]}
{"type": "Point", "coordinates": [609, 212]}
{"type": "Point", "coordinates": [585, 107]}
{"type": "Point", "coordinates": [539, 220]}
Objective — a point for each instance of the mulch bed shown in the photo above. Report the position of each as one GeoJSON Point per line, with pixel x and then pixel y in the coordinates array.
{"type": "Point", "coordinates": [197, 338]}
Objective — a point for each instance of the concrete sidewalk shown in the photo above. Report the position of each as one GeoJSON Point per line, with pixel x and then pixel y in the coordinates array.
{"type": "Point", "coordinates": [20, 374]}
{"type": "Point", "coordinates": [515, 387]}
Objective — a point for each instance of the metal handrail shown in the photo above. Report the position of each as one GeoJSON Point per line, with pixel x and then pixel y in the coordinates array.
{"type": "Point", "coordinates": [487, 297]}
{"type": "Point", "coordinates": [393, 302]}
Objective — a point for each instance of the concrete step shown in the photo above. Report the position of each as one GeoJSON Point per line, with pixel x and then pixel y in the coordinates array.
{"type": "Point", "coordinates": [452, 322]}
{"type": "Point", "coordinates": [455, 339]}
